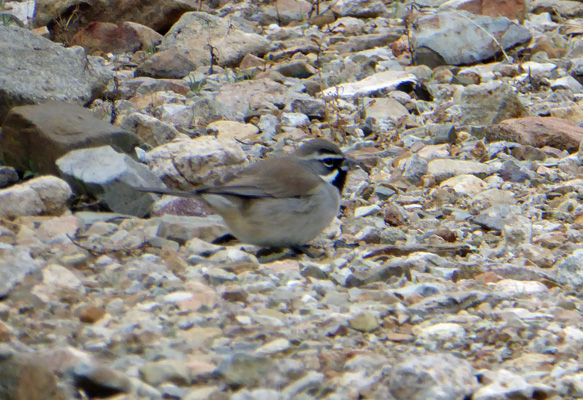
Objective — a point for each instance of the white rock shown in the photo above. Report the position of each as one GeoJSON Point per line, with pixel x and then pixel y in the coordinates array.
{"type": "Point", "coordinates": [178, 297]}
{"type": "Point", "coordinates": [465, 184]}
{"type": "Point", "coordinates": [276, 346]}
{"type": "Point", "coordinates": [442, 332]}
{"type": "Point", "coordinates": [57, 279]}
{"type": "Point", "coordinates": [46, 195]}
{"type": "Point", "coordinates": [294, 119]}
{"type": "Point", "coordinates": [366, 210]}
{"type": "Point", "coordinates": [512, 287]}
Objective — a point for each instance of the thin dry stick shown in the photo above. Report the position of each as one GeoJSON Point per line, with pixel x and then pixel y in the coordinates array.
{"type": "Point", "coordinates": [489, 34]}
{"type": "Point", "coordinates": [105, 251]}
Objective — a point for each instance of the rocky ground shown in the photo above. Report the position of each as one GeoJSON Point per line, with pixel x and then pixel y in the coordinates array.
{"type": "Point", "coordinates": [453, 271]}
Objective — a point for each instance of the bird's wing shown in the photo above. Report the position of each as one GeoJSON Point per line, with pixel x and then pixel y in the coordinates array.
{"type": "Point", "coordinates": [276, 178]}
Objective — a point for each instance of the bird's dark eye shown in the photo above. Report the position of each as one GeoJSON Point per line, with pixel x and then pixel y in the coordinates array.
{"type": "Point", "coordinates": [328, 163]}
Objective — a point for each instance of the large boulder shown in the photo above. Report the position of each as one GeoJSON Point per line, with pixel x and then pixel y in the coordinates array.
{"type": "Point", "coordinates": [34, 70]}
{"type": "Point", "coordinates": [64, 18]}
{"type": "Point", "coordinates": [195, 31]}
{"type": "Point", "coordinates": [438, 38]}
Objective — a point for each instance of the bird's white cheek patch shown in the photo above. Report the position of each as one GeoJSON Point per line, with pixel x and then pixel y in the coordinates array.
{"type": "Point", "coordinates": [330, 177]}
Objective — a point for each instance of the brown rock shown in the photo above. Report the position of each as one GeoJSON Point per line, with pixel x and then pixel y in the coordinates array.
{"type": "Point", "coordinates": [252, 61]}
{"type": "Point", "coordinates": [91, 314]}
{"type": "Point", "coordinates": [112, 38]}
{"type": "Point", "coordinates": [282, 12]}
{"type": "Point", "coordinates": [64, 18]}
{"type": "Point", "coordinates": [543, 43]}
{"type": "Point", "coordinates": [4, 332]}
{"type": "Point", "coordinates": [24, 377]}
{"type": "Point", "coordinates": [34, 137]}
{"type": "Point", "coordinates": [167, 64]}
{"type": "Point", "coordinates": [538, 132]}
{"type": "Point", "coordinates": [512, 9]}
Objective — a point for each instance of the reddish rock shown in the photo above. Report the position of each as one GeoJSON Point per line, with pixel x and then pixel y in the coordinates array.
{"type": "Point", "coordinates": [112, 38]}
{"type": "Point", "coordinates": [512, 9]}
{"type": "Point", "coordinates": [64, 18]}
{"type": "Point", "coordinates": [538, 132]}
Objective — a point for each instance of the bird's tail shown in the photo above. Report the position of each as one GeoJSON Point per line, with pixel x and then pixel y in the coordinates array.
{"type": "Point", "coordinates": [169, 192]}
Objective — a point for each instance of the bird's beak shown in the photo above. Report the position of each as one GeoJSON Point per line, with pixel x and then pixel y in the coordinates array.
{"type": "Point", "coordinates": [349, 164]}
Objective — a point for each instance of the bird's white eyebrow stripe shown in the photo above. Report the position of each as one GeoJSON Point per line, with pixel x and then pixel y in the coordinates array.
{"type": "Point", "coordinates": [330, 177]}
{"type": "Point", "coordinates": [324, 157]}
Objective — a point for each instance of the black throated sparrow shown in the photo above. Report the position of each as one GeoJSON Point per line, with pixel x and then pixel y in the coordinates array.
{"type": "Point", "coordinates": [281, 201]}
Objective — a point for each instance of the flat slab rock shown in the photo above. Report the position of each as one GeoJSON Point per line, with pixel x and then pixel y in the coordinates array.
{"type": "Point", "coordinates": [538, 132]}
{"type": "Point", "coordinates": [34, 137]}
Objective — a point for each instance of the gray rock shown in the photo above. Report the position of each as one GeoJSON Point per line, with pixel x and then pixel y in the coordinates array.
{"type": "Point", "coordinates": [365, 42]}
{"type": "Point", "coordinates": [268, 125]}
{"type": "Point", "coordinates": [181, 229]}
{"type": "Point", "coordinates": [166, 64]}
{"type": "Point", "coordinates": [517, 232]}
{"type": "Point", "coordinates": [15, 265]}
{"type": "Point", "coordinates": [385, 109]}
{"type": "Point", "coordinates": [295, 69]}
{"type": "Point", "coordinates": [312, 380]}
{"type": "Point", "coordinates": [283, 12]}
{"type": "Point", "coordinates": [439, 377]}
{"type": "Point", "coordinates": [360, 8]}
{"type": "Point", "coordinates": [421, 289]}
{"type": "Point", "coordinates": [98, 381]}
{"type": "Point", "coordinates": [379, 273]}
{"type": "Point", "coordinates": [110, 177]}
{"type": "Point", "coordinates": [569, 270]}
{"type": "Point", "coordinates": [576, 69]}
{"type": "Point", "coordinates": [442, 169]}
{"type": "Point", "coordinates": [8, 176]}
{"type": "Point", "coordinates": [244, 369]}
{"type": "Point", "coordinates": [294, 119]}
{"type": "Point", "coordinates": [47, 195]}
{"type": "Point", "coordinates": [365, 322]}
{"type": "Point", "coordinates": [148, 129]}
{"type": "Point", "coordinates": [235, 102]}
{"type": "Point", "coordinates": [187, 163]}
{"type": "Point", "coordinates": [24, 376]}
{"type": "Point", "coordinates": [34, 137]}
{"type": "Point", "coordinates": [490, 103]}
{"type": "Point", "coordinates": [158, 372]}
{"type": "Point", "coordinates": [231, 43]}
{"type": "Point", "coordinates": [495, 217]}
{"type": "Point", "coordinates": [505, 385]}
{"type": "Point", "coordinates": [307, 105]}
{"type": "Point", "coordinates": [438, 38]}
{"type": "Point", "coordinates": [35, 70]}
{"type": "Point", "coordinates": [567, 82]}
{"type": "Point", "coordinates": [414, 168]}
{"type": "Point", "coordinates": [513, 171]}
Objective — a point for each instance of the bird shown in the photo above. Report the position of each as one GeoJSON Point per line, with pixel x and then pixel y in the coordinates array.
{"type": "Point", "coordinates": [278, 202]}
